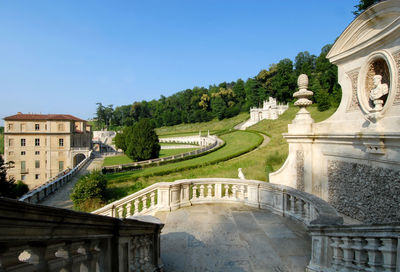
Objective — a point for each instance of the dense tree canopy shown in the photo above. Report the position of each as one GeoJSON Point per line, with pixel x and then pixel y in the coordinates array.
{"type": "Point", "coordinates": [140, 141]}
{"type": "Point", "coordinates": [8, 187]}
{"type": "Point", "coordinates": [227, 99]}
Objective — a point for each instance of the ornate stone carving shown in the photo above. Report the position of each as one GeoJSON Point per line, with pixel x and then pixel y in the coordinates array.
{"type": "Point", "coordinates": [354, 104]}
{"type": "Point", "coordinates": [300, 170]}
{"type": "Point", "coordinates": [396, 57]}
{"type": "Point", "coordinates": [303, 116]}
{"type": "Point", "coordinates": [369, 194]}
{"type": "Point", "coordinates": [377, 84]}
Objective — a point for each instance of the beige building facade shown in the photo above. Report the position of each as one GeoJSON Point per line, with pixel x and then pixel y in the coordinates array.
{"type": "Point", "coordinates": [43, 145]}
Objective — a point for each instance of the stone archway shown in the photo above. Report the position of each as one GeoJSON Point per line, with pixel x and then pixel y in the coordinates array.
{"type": "Point", "coordinates": [78, 158]}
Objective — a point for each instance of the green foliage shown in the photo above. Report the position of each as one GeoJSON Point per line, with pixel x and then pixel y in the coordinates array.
{"type": "Point", "coordinates": [141, 141]}
{"type": "Point", "coordinates": [322, 97]}
{"type": "Point", "coordinates": [89, 188]}
{"type": "Point", "coordinates": [228, 99]}
{"type": "Point", "coordinates": [363, 5]}
{"type": "Point", "coordinates": [8, 187]}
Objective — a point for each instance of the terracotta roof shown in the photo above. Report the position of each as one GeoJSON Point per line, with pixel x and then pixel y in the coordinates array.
{"type": "Point", "coordinates": [34, 117]}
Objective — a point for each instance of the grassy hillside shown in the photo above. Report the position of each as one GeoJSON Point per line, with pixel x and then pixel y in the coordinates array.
{"type": "Point", "coordinates": [213, 126]}
{"type": "Point", "coordinates": [238, 142]}
{"type": "Point", "coordinates": [122, 159]}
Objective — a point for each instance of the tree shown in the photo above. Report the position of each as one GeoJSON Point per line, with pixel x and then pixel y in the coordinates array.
{"type": "Point", "coordinates": [8, 187]}
{"type": "Point", "coordinates": [142, 141]}
{"type": "Point", "coordinates": [363, 5]}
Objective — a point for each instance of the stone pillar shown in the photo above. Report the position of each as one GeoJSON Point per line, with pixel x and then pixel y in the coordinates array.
{"type": "Point", "coordinates": [163, 197]}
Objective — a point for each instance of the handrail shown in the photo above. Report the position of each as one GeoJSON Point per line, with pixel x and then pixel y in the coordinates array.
{"type": "Point", "coordinates": [42, 238]}
{"type": "Point", "coordinates": [40, 193]}
{"type": "Point", "coordinates": [167, 196]}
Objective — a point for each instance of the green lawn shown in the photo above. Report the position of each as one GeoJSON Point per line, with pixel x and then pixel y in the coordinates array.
{"type": "Point", "coordinates": [213, 126]}
{"type": "Point", "coordinates": [122, 159]}
{"type": "Point", "coordinates": [237, 142]}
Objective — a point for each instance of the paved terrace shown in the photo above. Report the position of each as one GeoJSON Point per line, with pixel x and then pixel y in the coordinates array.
{"type": "Point", "coordinates": [232, 237]}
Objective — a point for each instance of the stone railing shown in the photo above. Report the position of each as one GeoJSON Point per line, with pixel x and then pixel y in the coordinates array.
{"type": "Point", "coordinates": [165, 196]}
{"type": "Point", "coordinates": [187, 155]}
{"type": "Point", "coordinates": [355, 248]}
{"type": "Point", "coordinates": [195, 139]}
{"type": "Point", "coordinates": [41, 238]}
{"type": "Point", "coordinates": [40, 193]}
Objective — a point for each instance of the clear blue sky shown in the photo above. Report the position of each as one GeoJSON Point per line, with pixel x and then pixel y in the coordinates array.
{"type": "Point", "coordinates": [64, 56]}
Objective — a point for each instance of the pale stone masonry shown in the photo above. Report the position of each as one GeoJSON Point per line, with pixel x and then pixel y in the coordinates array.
{"type": "Point", "coordinates": [43, 145]}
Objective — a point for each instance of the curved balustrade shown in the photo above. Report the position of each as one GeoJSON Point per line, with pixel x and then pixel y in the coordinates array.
{"type": "Point", "coordinates": [355, 248]}
{"type": "Point", "coordinates": [43, 191]}
{"type": "Point", "coordinates": [165, 196]}
{"type": "Point", "coordinates": [41, 238]}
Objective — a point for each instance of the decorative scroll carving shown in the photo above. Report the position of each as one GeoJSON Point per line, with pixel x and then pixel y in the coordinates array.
{"type": "Point", "coordinates": [300, 170]}
{"type": "Point", "coordinates": [354, 104]}
{"type": "Point", "coordinates": [396, 57]}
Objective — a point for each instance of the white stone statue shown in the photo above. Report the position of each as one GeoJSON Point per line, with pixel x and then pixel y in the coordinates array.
{"type": "Point", "coordinates": [380, 89]}
{"type": "Point", "coordinates": [241, 175]}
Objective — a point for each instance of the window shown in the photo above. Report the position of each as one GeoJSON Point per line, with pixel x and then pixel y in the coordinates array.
{"type": "Point", "coordinates": [60, 142]}
{"type": "Point", "coordinates": [11, 153]}
{"type": "Point", "coordinates": [37, 152]}
{"type": "Point", "coordinates": [37, 127]}
{"type": "Point", "coordinates": [23, 166]}
{"type": "Point", "coordinates": [23, 142]}
{"type": "Point", "coordinates": [22, 177]}
{"type": "Point", "coordinates": [22, 153]}
{"type": "Point", "coordinates": [22, 127]}
{"type": "Point", "coordinates": [10, 127]}
{"type": "Point", "coordinates": [60, 127]}
{"type": "Point", "coordinates": [37, 164]}
{"type": "Point", "coordinates": [60, 166]}
{"type": "Point", "coordinates": [10, 142]}
{"type": "Point", "coordinates": [37, 142]}
{"type": "Point", "coordinates": [37, 176]}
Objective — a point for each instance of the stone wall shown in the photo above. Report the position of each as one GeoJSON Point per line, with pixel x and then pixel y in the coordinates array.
{"type": "Point", "coordinates": [369, 194]}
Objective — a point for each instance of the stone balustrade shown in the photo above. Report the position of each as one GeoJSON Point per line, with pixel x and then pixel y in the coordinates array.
{"type": "Point", "coordinates": [43, 191]}
{"type": "Point", "coordinates": [41, 238]}
{"type": "Point", "coordinates": [195, 139]}
{"type": "Point", "coordinates": [355, 248]}
{"type": "Point", "coordinates": [166, 196]}
{"type": "Point", "coordinates": [187, 155]}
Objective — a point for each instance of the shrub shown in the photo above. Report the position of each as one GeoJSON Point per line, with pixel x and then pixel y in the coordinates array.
{"type": "Point", "coordinates": [20, 188]}
{"type": "Point", "coordinates": [90, 188]}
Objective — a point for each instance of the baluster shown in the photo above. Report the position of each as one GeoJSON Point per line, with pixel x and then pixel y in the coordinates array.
{"type": "Point", "coordinates": [360, 256]}
{"type": "Point", "coordinates": [35, 255]}
{"type": "Point", "coordinates": [234, 191]}
{"type": "Point", "coordinates": [337, 262]}
{"type": "Point", "coordinates": [152, 199]}
{"type": "Point", "coordinates": [348, 254]}
{"type": "Point", "coordinates": [374, 256]}
{"type": "Point", "coordinates": [65, 253]}
{"type": "Point", "coordinates": [144, 202]}
{"type": "Point", "coordinates": [226, 191]}
{"type": "Point", "coordinates": [202, 191]}
{"type": "Point", "coordinates": [128, 209]}
{"type": "Point", "coordinates": [136, 206]}
{"type": "Point", "coordinates": [300, 207]}
{"type": "Point", "coordinates": [209, 191]}
{"type": "Point", "coordinates": [241, 192]}
{"type": "Point", "coordinates": [307, 211]}
{"type": "Point", "coordinates": [292, 204]}
{"type": "Point", "coordinates": [194, 196]}
{"type": "Point", "coordinates": [389, 254]}
{"type": "Point", "coordinates": [121, 212]}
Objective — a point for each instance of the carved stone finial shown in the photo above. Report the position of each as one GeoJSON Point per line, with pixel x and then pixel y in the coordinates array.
{"type": "Point", "coordinates": [303, 94]}
{"type": "Point", "coordinates": [303, 116]}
